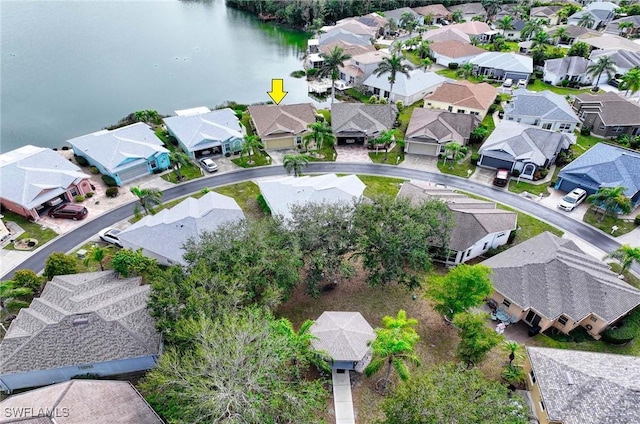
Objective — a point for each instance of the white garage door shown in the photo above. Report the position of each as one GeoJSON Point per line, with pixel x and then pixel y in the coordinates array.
{"type": "Point", "coordinates": [135, 172]}
{"type": "Point", "coordinates": [422, 149]}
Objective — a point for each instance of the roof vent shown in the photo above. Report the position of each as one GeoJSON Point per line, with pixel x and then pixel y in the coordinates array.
{"type": "Point", "coordinates": [569, 378]}
{"type": "Point", "coordinates": [80, 321]}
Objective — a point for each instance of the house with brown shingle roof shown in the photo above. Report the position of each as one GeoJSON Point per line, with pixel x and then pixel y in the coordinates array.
{"type": "Point", "coordinates": [453, 51]}
{"type": "Point", "coordinates": [462, 97]}
{"type": "Point", "coordinates": [547, 13]}
{"type": "Point", "coordinates": [469, 10]}
{"type": "Point", "coordinates": [436, 11]}
{"type": "Point", "coordinates": [608, 114]}
{"type": "Point", "coordinates": [429, 130]}
{"type": "Point", "coordinates": [282, 126]}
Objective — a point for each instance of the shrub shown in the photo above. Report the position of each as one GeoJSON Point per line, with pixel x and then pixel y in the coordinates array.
{"type": "Point", "coordinates": [112, 192]}
{"type": "Point", "coordinates": [90, 195]}
{"type": "Point", "coordinates": [79, 198]}
{"type": "Point", "coordinates": [515, 173]}
{"type": "Point", "coordinates": [81, 160]}
{"type": "Point", "coordinates": [263, 205]}
{"type": "Point", "coordinates": [624, 332]}
{"type": "Point", "coordinates": [564, 83]}
{"type": "Point", "coordinates": [383, 101]}
{"type": "Point", "coordinates": [312, 72]}
{"type": "Point", "coordinates": [298, 74]}
{"type": "Point", "coordinates": [374, 99]}
{"type": "Point", "coordinates": [464, 150]}
{"type": "Point", "coordinates": [636, 220]}
{"type": "Point", "coordinates": [497, 100]}
{"type": "Point", "coordinates": [94, 170]}
{"type": "Point", "coordinates": [492, 108]}
{"type": "Point", "coordinates": [453, 65]}
{"type": "Point", "coordinates": [474, 158]}
{"type": "Point", "coordinates": [585, 131]}
{"type": "Point", "coordinates": [109, 181]}
{"type": "Point", "coordinates": [400, 105]}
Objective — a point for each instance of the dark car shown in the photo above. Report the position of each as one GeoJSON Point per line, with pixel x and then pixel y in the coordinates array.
{"type": "Point", "coordinates": [69, 211]}
{"type": "Point", "coordinates": [502, 177]}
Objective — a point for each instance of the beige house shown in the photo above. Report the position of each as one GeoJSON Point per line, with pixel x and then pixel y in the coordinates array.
{"type": "Point", "coordinates": [462, 97]}
{"type": "Point", "coordinates": [453, 51]}
{"type": "Point", "coordinates": [547, 13]}
{"type": "Point", "coordinates": [282, 126]}
{"type": "Point", "coordinates": [548, 281]}
{"type": "Point", "coordinates": [429, 130]}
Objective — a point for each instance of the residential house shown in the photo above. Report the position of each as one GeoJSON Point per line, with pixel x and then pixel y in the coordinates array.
{"type": "Point", "coordinates": [314, 57]}
{"type": "Point", "coordinates": [345, 337]}
{"type": "Point", "coordinates": [30, 176]}
{"type": "Point", "coordinates": [579, 387]}
{"type": "Point", "coordinates": [469, 10]}
{"type": "Point", "coordinates": [603, 165]}
{"type": "Point", "coordinates": [282, 193]}
{"type": "Point", "coordinates": [359, 68]}
{"type": "Point", "coordinates": [547, 281]}
{"type": "Point", "coordinates": [80, 401]}
{"type": "Point", "coordinates": [476, 30]}
{"type": "Point", "coordinates": [354, 26]}
{"type": "Point", "coordinates": [91, 323]}
{"type": "Point", "coordinates": [453, 51]}
{"type": "Point", "coordinates": [612, 42]}
{"type": "Point", "coordinates": [623, 61]}
{"type": "Point", "coordinates": [608, 114]}
{"type": "Point", "coordinates": [125, 153]}
{"type": "Point", "coordinates": [600, 17]}
{"type": "Point", "coordinates": [501, 66]}
{"type": "Point", "coordinates": [430, 129]}
{"type": "Point", "coordinates": [436, 12]}
{"type": "Point", "coordinates": [407, 88]}
{"type": "Point", "coordinates": [282, 126]}
{"type": "Point", "coordinates": [549, 14]}
{"type": "Point", "coordinates": [630, 32]}
{"type": "Point", "coordinates": [568, 68]}
{"type": "Point", "coordinates": [522, 148]}
{"type": "Point", "coordinates": [576, 33]}
{"type": "Point", "coordinates": [5, 232]}
{"type": "Point", "coordinates": [506, 10]}
{"type": "Point", "coordinates": [478, 225]}
{"type": "Point", "coordinates": [372, 20]}
{"type": "Point", "coordinates": [333, 35]}
{"type": "Point", "coordinates": [463, 97]}
{"type": "Point", "coordinates": [162, 235]}
{"type": "Point", "coordinates": [513, 34]}
{"type": "Point", "coordinates": [446, 33]}
{"type": "Point", "coordinates": [543, 109]}
{"type": "Point", "coordinates": [602, 5]}
{"type": "Point", "coordinates": [396, 15]}
{"type": "Point", "coordinates": [357, 123]}
{"type": "Point", "coordinates": [202, 133]}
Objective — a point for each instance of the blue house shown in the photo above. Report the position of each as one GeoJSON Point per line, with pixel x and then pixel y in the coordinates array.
{"type": "Point", "coordinates": [603, 165]}
{"type": "Point", "coordinates": [125, 153]}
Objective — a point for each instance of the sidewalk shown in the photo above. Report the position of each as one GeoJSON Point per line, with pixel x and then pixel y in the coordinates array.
{"type": "Point", "coordinates": [342, 400]}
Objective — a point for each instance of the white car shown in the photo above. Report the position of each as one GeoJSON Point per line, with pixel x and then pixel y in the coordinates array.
{"type": "Point", "coordinates": [110, 235]}
{"type": "Point", "coordinates": [507, 83]}
{"type": "Point", "coordinates": [572, 199]}
{"type": "Point", "coordinates": [208, 165]}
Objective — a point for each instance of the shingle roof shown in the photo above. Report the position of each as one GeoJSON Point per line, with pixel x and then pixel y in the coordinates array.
{"type": "Point", "coordinates": [465, 93]}
{"type": "Point", "coordinates": [165, 232]}
{"type": "Point", "coordinates": [613, 109]}
{"type": "Point", "coordinates": [358, 117]}
{"type": "Point", "coordinates": [455, 49]}
{"type": "Point", "coordinates": [346, 36]}
{"type": "Point", "coordinates": [571, 65]}
{"type": "Point", "coordinates": [543, 104]}
{"type": "Point", "coordinates": [121, 148]}
{"type": "Point", "coordinates": [282, 120]}
{"type": "Point", "coordinates": [437, 10]}
{"type": "Point", "coordinates": [198, 131]}
{"type": "Point", "coordinates": [343, 335]}
{"type": "Point", "coordinates": [373, 56]}
{"type": "Point", "coordinates": [623, 59]}
{"type": "Point", "coordinates": [83, 402]}
{"type": "Point", "coordinates": [505, 61]}
{"type": "Point", "coordinates": [446, 33]}
{"type": "Point", "coordinates": [115, 324]}
{"type": "Point", "coordinates": [354, 26]}
{"type": "Point", "coordinates": [404, 85]}
{"type": "Point", "coordinates": [605, 165]}
{"type": "Point", "coordinates": [30, 175]}
{"type": "Point", "coordinates": [554, 277]}
{"type": "Point", "coordinates": [602, 5]}
{"type": "Point", "coordinates": [544, 11]}
{"type": "Point", "coordinates": [440, 125]}
{"type": "Point", "coordinates": [469, 8]}
{"type": "Point", "coordinates": [575, 31]}
{"type": "Point", "coordinates": [611, 41]}
{"type": "Point", "coordinates": [349, 49]}
{"type": "Point", "coordinates": [396, 14]}
{"type": "Point", "coordinates": [587, 387]}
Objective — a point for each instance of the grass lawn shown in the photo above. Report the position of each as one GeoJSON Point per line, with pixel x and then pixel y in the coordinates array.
{"type": "Point", "coordinates": [31, 229]}
{"type": "Point", "coordinates": [628, 277]}
{"type": "Point", "coordinates": [358, 95]}
{"type": "Point", "coordinates": [327, 154]}
{"type": "Point", "coordinates": [260, 158]}
{"type": "Point", "coordinates": [584, 143]}
{"type": "Point", "coordinates": [189, 171]}
{"type": "Point", "coordinates": [94, 266]}
{"type": "Point", "coordinates": [632, 348]}
{"type": "Point", "coordinates": [381, 186]}
{"type": "Point", "coordinates": [488, 123]}
{"type": "Point", "coordinates": [327, 115]}
{"type": "Point", "coordinates": [539, 85]}
{"type": "Point", "coordinates": [593, 218]}
{"type": "Point", "coordinates": [245, 194]}
{"type": "Point", "coordinates": [391, 158]}
{"type": "Point", "coordinates": [519, 187]}
{"type": "Point", "coordinates": [460, 169]}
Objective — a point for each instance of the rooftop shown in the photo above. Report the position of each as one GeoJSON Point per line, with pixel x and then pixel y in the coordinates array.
{"type": "Point", "coordinates": [543, 104]}
{"type": "Point", "coordinates": [464, 93]}
{"type": "Point", "coordinates": [196, 131]}
{"type": "Point", "coordinates": [455, 49]}
{"type": "Point", "coordinates": [273, 121]}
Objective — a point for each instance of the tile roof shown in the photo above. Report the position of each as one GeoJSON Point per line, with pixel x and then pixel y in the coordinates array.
{"type": "Point", "coordinates": [465, 93]}
{"type": "Point", "coordinates": [544, 11]}
{"type": "Point", "coordinates": [84, 402]}
{"type": "Point", "coordinates": [198, 131]}
{"type": "Point", "coordinates": [543, 104]}
{"type": "Point", "coordinates": [571, 65]}
{"type": "Point", "coordinates": [612, 108]}
{"type": "Point", "coordinates": [469, 8]}
{"type": "Point", "coordinates": [343, 335]}
{"type": "Point", "coordinates": [455, 49]}
{"type": "Point", "coordinates": [417, 81]}
{"type": "Point", "coordinates": [440, 125]}
{"type": "Point", "coordinates": [437, 10]}
{"type": "Point", "coordinates": [554, 277]}
{"type": "Point", "coordinates": [623, 59]}
{"type": "Point", "coordinates": [505, 61]}
{"type": "Point", "coordinates": [446, 33]}
{"type": "Point", "coordinates": [575, 31]}
{"type": "Point", "coordinates": [472, 27]}
{"type": "Point", "coordinates": [282, 120]}
{"type": "Point", "coordinates": [121, 148]}
{"type": "Point", "coordinates": [30, 175]}
{"type": "Point", "coordinates": [587, 387]}
{"type": "Point", "coordinates": [116, 324]}
{"type": "Point", "coordinates": [369, 57]}
{"type": "Point", "coordinates": [358, 117]}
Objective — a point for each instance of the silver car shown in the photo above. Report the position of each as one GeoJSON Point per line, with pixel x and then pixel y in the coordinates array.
{"type": "Point", "coordinates": [208, 165]}
{"type": "Point", "coordinates": [572, 199]}
{"type": "Point", "coordinates": [110, 235]}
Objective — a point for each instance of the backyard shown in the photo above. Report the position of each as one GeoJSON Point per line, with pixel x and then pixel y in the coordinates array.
{"type": "Point", "coordinates": [31, 229]}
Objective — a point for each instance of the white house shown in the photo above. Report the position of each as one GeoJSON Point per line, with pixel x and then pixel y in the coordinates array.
{"type": "Point", "coordinates": [453, 51]}
{"type": "Point", "coordinates": [406, 89]}
{"type": "Point", "coordinates": [501, 66]}
{"type": "Point", "coordinates": [569, 68]}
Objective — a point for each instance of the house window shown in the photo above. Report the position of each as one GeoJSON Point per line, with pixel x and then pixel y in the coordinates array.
{"type": "Point", "coordinates": [506, 303]}
{"type": "Point", "coordinates": [450, 108]}
{"type": "Point", "coordinates": [593, 319]}
{"type": "Point", "coordinates": [460, 111]}
{"type": "Point", "coordinates": [486, 243]}
{"type": "Point", "coordinates": [73, 191]}
{"type": "Point", "coordinates": [153, 164]}
{"type": "Point", "coordinates": [376, 91]}
{"type": "Point", "coordinates": [475, 113]}
{"type": "Point", "coordinates": [428, 104]}
{"type": "Point", "coordinates": [532, 376]}
{"type": "Point", "coordinates": [510, 118]}
{"type": "Point", "coordinates": [547, 126]}
{"type": "Point", "coordinates": [542, 405]}
{"type": "Point", "coordinates": [601, 126]}
{"type": "Point", "coordinates": [563, 319]}
{"type": "Point", "coordinates": [519, 119]}
{"type": "Point", "coordinates": [564, 127]}
{"type": "Point", "coordinates": [298, 140]}
{"type": "Point", "coordinates": [468, 253]}
{"type": "Point", "coordinates": [617, 129]}
{"type": "Point", "coordinates": [500, 235]}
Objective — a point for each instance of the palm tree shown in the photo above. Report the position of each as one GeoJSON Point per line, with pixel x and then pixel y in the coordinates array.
{"type": "Point", "coordinates": [626, 255]}
{"type": "Point", "coordinates": [97, 254]}
{"type": "Point", "coordinates": [497, 43]}
{"type": "Point", "coordinates": [394, 346]}
{"type": "Point", "coordinates": [9, 294]}
{"type": "Point", "coordinates": [331, 66]}
{"type": "Point", "coordinates": [320, 132]}
{"type": "Point", "coordinates": [561, 34]}
{"type": "Point", "coordinates": [384, 139]}
{"type": "Point", "coordinates": [603, 64]}
{"type": "Point", "coordinates": [624, 25]}
{"type": "Point", "coordinates": [631, 80]}
{"type": "Point", "coordinates": [178, 160]}
{"type": "Point", "coordinates": [492, 7]}
{"type": "Point", "coordinates": [540, 40]}
{"type": "Point", "coordinates": [513, 348]}
{"type": "Point", "coordinates": [408, 22]}
{"type": "Point", "coordinates": [466, 70]}
{"type": "Point", "coordinates": [147, 197]}
{"type": "Point", "coordinates": [424, 50]}
{"type": "Point", "coordinates": [250, 144]}
{"type": "Point", "coordinates": [425, 64]}
{"type": "Point", "coordinates": [505, 23]}
{"type": "Point", "coordinates": [392, 66]}
{"type": "Point", "coordinates": [532, 27]}
{"type": "Point", "coordinates": [586, 20]}
{"type": "Point", "coordinates": [295, 163]}
{"type": "Point", "coordinates": [611, 200]}
{"type": "Point", "coordinates": [452, 149]}
{"type": "Point", "coordinates": [428, 18]}
{"type": "Point", "coordinates": [456, 15]}
{"type": "Point", "coordinates": [303, 351]}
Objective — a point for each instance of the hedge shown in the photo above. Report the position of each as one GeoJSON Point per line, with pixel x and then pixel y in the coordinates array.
{"type": "Point", "coordinates": [624, 330]}
{"type": "Point", "coordinates": [109, 181]}
{"type": "Point", "coordinates": [263, 205]}
{"type": "Point", "coordinates": [112, 192]}
{"type": "Point", "coordinates": [81, 160]}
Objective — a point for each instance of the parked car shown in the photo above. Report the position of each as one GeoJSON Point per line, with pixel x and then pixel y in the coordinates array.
{"type": "Point", "coordinates": [507, 83]}
{"type": "Point", "coordinates": [572, 199]}
{"type": "Point", "coordinates": [502, 177]}
{"type": "Point", "coordinates": [522, 83]}
{"type": "Point", "coordinates": [110, 235]}
{"type": "Point", "coordinates": [69, 211]}
{"type": "Point", "coordinates": [208, 165]}
{"type": "Point", "coordinates": [54, 202]}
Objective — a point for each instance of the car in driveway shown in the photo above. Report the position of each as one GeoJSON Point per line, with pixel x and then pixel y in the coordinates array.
{"type": "Point", "coordinates": [572, 199]}
{"type": "Point", "coordinates": [502, 177]}
{"type": "Point", "coordinates": [110, 235]}
{"type": "Point", "coordinates": [69, 211]}
{"type": "Point", "coordinates": [208, 165]}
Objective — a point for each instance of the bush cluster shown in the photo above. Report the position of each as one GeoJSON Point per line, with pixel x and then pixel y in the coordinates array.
{"type": "Point", "coordinates": [624, 330]}
{"type": "Point", "coordinates": [112, 192]}
{"type": "Point", "coordinates": [89, 195]}
{"type": "Point", "coordinates": [81, 160]}
{"type": "Point", "coordinates": [263, 205]}
{"type": "Point", "coordinates": [79, 198]}
{"type": "Point", "coordinates": [109, 181]}
{"type": "Point", "coordinates": [94, 170]}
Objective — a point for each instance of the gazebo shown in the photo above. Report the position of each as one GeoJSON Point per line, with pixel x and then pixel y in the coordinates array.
{"type": "Point", "coordinates": [345, 337]}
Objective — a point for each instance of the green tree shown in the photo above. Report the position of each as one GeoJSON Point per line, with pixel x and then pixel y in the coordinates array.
{"type": "Point", "coordinates": [250, 144]}
{"type": "Point", "coordinates": [457, 16]}
{"type": "Point", "coordinates": [451, 394]}
{"type": "Point", "coordinates": [332, 62]}
{"type": "Point", "coordinates": [532, 27]}
{"type": "Point", "coordinates": [505, 23]}
{"type": "Point", "coordinates": [28, 278]}
{"type": "Point", "coordinates": [465, 71]}
{"type": "Point", "coordinates": [178, 160]}
{"type": "Point", "coordinates": [59, 264]}
{"type": "Point", "coordinates": [320, 133]}
{"type": "Point", "coordinates": [586, 20]}
{"type": "Point", "coordinates": [384, 139]}
{"type": "Point", "coordinates": [579, 48]}
{"type": "Point", "coordinates": [611, 200]}
{"type": "Point", "coordinates": [626, 255]}
{"type": "Point", "coordinates": [479, 133]}
{"type": "Point", "coordinates": [147, 197]}
{"type": "Point", "coordinates": [425, 64]}
{"type": "Point", "coordinates": [295, 163]}
{"type": "Point", "coordinates": [149, 117]}
{"type": "Point", "coordinates": [463, 287]}
{"type": "Point", "coordinates": [625, 28]}
{"type": "Point", "coordinates": [498, 43]}
{"type": "Point", "coordinates": [561, 34]}
{"type": "Point", "coordinates": [96, 254]}
{"type": "Point", "coordinates": [492, 7]}
{"type": "Point", "coordinates": [476, 339]}
{"type": "Point", "coordinates": [631, 81]}
{"type": "Point", "coordinates": [394, 346]}
{"type": "Point", "coordinates": [10, 294]}
{"type": "Point", "coordinates": [424, 49]}
{"type": "Point", "coordinates": [393, 66]}
{"type": "Point", "coordinates": [302, 351]}
{"type": "Point", "coordinates": [127, 262]}
{"type": "Point", "coordinates": [453, 150]}
{"type": "Point", "coordinates": [514, 349]}
{"type": "Point", "coordinates": [408, 22]}
{"type": "Point", "coordinates": [603, 64]}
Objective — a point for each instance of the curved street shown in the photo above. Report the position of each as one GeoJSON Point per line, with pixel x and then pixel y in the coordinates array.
{"type": "Point", "coordinates": [72, 239]}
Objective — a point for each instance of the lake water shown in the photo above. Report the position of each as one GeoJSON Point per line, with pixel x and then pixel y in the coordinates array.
{"type": "Point", "coordinates": [69, 68]}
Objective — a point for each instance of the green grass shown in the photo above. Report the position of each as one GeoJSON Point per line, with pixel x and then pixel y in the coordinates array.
{"type": "Point", "coordinates": [539, 85]}
{"type": "Point", "coordinates": [94, 266]}
{"type": "Point", "coordinates": [245, 194]}
{"type": "Point", "coordinates": [246, 121]}
{"type": "Point", "coordinates": [31, 229]}
{"type": "Point", "coordinates": [453, 74]}
{"type": "Point", "coordinates": [632, 348]}
{"type": "Point", "coordinates": [519, 187]}
{"type": "Point", "coordinates": [327, 115]}
{"type": "Point", "coordinates": [189, 171]}
{"type": "Point", "coordinates": [358, 95]}
{"type": "Point", "coordinates": [628, 276]}
{"type": "Point", "coordinates": [509, 46]}
{"type": "Point", "coordinates": [327, 154]}
{"type": "Point", "coordinates": [489, 123]}
{"type": "Point", "coordinates": [460, 169]}
{"type": "Point", "coordinates": [381, 186]}
{"type": "Point", "coordinates": [584, 143]}
{"type": "Point", "coordinates": [593, 218]}
{"type": "Point", "coordinates": [258, 159]}
{"type": "Point", "coordinates": [391, 158]}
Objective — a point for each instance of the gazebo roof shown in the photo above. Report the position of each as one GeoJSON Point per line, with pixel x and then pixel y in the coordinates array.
{"type": "Point", "coordinates": [343, 335]}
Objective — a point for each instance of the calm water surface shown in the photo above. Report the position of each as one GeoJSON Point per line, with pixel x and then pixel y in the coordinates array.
{"type": "Point", "coordinates": [69, 68]}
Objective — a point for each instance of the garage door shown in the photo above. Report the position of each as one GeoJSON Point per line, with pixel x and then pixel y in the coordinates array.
{"type": "Point", "coordinates": [422, 149]}
{"type": "Point", "coordinates": [281, 143]}
{"type": "Point", "coordinates": [135, 172]}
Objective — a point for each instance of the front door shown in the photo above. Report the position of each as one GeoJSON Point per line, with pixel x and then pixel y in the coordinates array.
{"type": "Point", "coordinates": [532, 318]}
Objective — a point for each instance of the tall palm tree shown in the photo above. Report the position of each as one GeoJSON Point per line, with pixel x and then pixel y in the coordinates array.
{"type": "Point", "coordinates": [586, 20]}
{"type": "Point", "coordinates": [631, 81]}
{"type": "Point", "coordinates": [250, 144]}
{"type": "Point", "coordinates": [385, 139]}
{"type": "Point", "coordinates": [331, 66]}
{"type": "Point", "coordinates": [540, 40]}
{"type": "Point", "coordinates": [320, 132]}
{"type": "Point", "coordinates": [424, 49]}
{"type": "Point", "coordinates": [408, 22]}
{"type": "Point", "coordinates": [626, 255]}
{"type": "Point", "coordinates": [303, 351]}
{"type": "Point", "coordinates": [452, 149]}
{"type": "Point", "coordinates": [392, 66]}
{"type": "Point", "coordinates": [457, 15]}
{"type": "Point", "coordinates": [10, 291]}
{"type": "Point", "coordinates": [532, 27]}
{"type": "Point", "coordinates": [465, 71]}
{"type": "Point", "coordinates": [622, 26]}
{"type": "Point", "coordinates": [147, 197]}
{"type": "Point", "coordinates": [561, 34]}
{"type": "Point", "coordinates": [425, 64]}
{"type": "Point", "coordinates": [96, 254]}
{"type": "Point", "coordinates": [492, 7]}
{"type": "Point", "coordinates": [178, 159]}
{"type": "Point", "coordinates": [603, 64]}
{"type": "Point", "coordinates": [611, 200]}
{"type": "Point", "coordinates": [394, 346]}
{"type": "Point", "coordinates": [505, 23]}
{"type": "Point", "coordinates": [295, 163]}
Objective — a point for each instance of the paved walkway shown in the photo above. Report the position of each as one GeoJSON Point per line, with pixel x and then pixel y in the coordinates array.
{"type": "Point", "coordinates": [342, 401]}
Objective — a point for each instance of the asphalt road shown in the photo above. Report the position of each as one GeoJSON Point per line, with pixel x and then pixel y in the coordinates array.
{"type": "Point", "coordinates": [70, 240]}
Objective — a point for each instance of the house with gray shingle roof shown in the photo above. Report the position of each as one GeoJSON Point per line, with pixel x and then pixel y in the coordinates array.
{"type": "Point", "coordinates": [125, 153]}
{"type": "Point", "coordinates": [30, 176]}
{"type": "Point", "coordinates": [282, 126]}
{"type": "Point", "coordinates": [570, 68]}
{"type": "Point", "coordinates": [430, 129]}
{"type": "Point", "coordinates": [603, 165]}
{"type": "Point", "coordinates": [80, 401]}
{"type": "Point", "coordinates": [358, 123]}
{"type": "Point", "coordinates": [548, 281]}
{"type": "Point", "coordinates": [600, 17]}
{"type": "Point", "coordinates": [612, 27]}
{"type": "Point", "coordinates": [575, 387]}
{"type": "Point", "coordinates": [91, 323]}
{"type": "Point", "coordinates": [523, 148]}
{"type": "Point", "coordinates": [623, 61]}
{"type": "Point", "coordinates": [608, 114]}
{"type": "Point", "coordinates": [161, 236]}
{"type": "Point", "coordinates": [469, 10]}
{"type": "Point", "coordinates": [547, 13]}
{"type": "Point", "coordinates": [396, 14]}
{"type": "Point", "coordinates": [575, 33]}
{"type": "Point", "coordinates": [513, 34]}
{"type": "Point", "coordinates": [543, 109]}
{"type": "Point", "coordinates": [478, 225]}
{"type": "Point", "coordinates": [407, 88]}
{"type": "Point", "coordinates": [501, 66]}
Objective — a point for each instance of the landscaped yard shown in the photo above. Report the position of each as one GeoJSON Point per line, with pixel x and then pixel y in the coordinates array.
{"type": "Point", "coordinates": [594, 218]}
{"type": "Point", "coordinates": [460, 168]}
{"type": "Point", "coordinates": [584, 143]}
{"type": "Point", "coordinates": [31, 229]}
{"type": "Point", "coordinates": [245, 194]}
{"type": "Point", "coordinates": [259, 158]}
{"type": "Point", "coordinates": [94, 266]}
{"type": "Point", "coordinates": [189, 171]}
{"type": "Point", "coordinates": [522, 186]}
{"type": "Point", "coordinates": [394, 157]}
{"type": "Point", "coordinates": [381, 186]}
{"type": "Point", "coordinates": [539, 85]}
